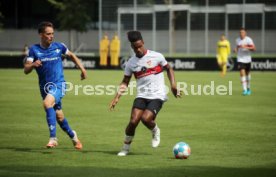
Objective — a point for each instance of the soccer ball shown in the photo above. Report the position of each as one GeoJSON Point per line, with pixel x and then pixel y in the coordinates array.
{"type": "Point", "coordinates": [181, 150]}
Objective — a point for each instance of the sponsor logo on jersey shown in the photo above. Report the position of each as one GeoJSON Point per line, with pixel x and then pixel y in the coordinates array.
{"type": "Point", "coordinates": [149, 63]}
{"type": "Point", "coordinates": [144, 69]}
{"type": "Point", "coordinates": [148, 71]}
{"type": "Point", "coordinates": [49, 59]}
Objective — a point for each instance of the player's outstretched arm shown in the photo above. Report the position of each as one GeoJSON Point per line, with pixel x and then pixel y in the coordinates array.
{"type": "Point", "coordinates": [251, 48]}
{"type": "Point", "coordinates": [29, 66]}
{"type": "Point", "coordinates": [76, 60]}
{"type": "Point", "coordinates": [177, 93]}
{"type": "Point", "coordinates": [122, 89]}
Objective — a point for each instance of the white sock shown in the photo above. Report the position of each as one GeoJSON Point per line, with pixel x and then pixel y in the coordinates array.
{"type": "Point", "coordinates": [126, 146]}
{"type": "Point", "coordinates": [243, 82]}
{"type": "Point", "coordinates": [248, 78]}
{"type": "Point", "coordinates": [128, 139]}
{"type": "Point", "coordinates": [155, 128]}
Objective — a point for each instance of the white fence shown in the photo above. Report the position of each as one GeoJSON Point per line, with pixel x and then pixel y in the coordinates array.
{"type": "Point", "coordinates": [88, 42]}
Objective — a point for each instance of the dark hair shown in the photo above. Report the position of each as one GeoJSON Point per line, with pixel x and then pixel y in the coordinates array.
{"type": "Point", "coordinates": [134, 36]}
{"type": "Point", "coordinates": [242, 28]}
{"type": "Point", "coordinates": [43, 25]}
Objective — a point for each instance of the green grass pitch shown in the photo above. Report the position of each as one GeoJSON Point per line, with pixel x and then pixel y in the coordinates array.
{"type": "Point", "coordinates": [230, 136]}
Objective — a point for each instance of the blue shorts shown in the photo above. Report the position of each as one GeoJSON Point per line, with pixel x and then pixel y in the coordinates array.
{"type": "Point", "coordinates": [56, 90]}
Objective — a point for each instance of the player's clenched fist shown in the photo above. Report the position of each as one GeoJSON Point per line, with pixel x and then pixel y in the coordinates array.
{"type": "Point", "coordinates": [37, 64]}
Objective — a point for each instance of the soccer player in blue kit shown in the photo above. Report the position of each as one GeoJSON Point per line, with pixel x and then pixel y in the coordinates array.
{"type": "Point", "coordinates": [46, 59]}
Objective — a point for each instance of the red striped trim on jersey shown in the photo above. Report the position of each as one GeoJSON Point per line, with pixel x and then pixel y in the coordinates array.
{"type": "Point", "coordinates": [155, 70]}
{"type": "Point", "coordinates": [246, 45]}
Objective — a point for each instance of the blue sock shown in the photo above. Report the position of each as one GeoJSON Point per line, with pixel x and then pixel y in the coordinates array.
{"type": "Point", "coordinates": [51, 120]}
{"type": "Point", "coordinates": [65, 127]}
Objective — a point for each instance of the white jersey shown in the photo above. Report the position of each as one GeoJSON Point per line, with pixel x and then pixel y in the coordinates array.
{"type": "Point", "coordinates": [244, 55]}
{"type": "Point", "coordinates": [148, 72]}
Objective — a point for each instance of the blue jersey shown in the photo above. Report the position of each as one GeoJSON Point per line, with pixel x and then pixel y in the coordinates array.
{"type": "Point", "coordinates": [51, 58]}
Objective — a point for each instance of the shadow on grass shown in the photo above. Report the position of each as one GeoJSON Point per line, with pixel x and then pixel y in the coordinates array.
{"type": "Point", "coordinates": [44, 150]}
{"type": "Point", "coordinates": [116, 152]}
{"type": "Point", "coordinates": [189, 171]}
{"type": "Point", "coordinates": [31, 150]}
{"type": "Point", "coordinates": [100, 171]}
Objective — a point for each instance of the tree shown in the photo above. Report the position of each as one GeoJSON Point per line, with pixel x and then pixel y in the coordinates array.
{"type": "Point", "coordinates": [1, 18]}
{"type": "Point", "coordinates": [73, 16]}
{"type": "Point", "coordinates": [173, 19]}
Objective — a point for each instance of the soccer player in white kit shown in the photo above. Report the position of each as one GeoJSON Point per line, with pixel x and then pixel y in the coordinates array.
{"type": "Point", "coordinates": [244, 47]}
{"type": "Point", "coordinates": [147, 66]}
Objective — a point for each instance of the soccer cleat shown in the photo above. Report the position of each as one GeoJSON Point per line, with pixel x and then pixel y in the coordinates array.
{"type": "Point", "coordinates": [76, 142]}
{"type": "Point", "coordinates": [248, 92]}
{"type": "Point", "coordinates": [124, 151]}
{"type": "Point", "coordinates": [52, 143]}
{"type": "Point", "coordinates": [155, 138]}
{"type": "Point", "coordinates": [244, 93]}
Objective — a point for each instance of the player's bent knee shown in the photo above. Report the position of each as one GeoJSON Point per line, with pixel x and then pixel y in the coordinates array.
{"type": "Point", "coordinates": [148, 115]}
{"type": "Point", "coordinates": [147, 119]}
{"type": "Point", "coordinates": [134, 121]}
{"type": "Point", "coordinates": [49, 101]}
{"type": "Point", "coordinates": [47, 104]}
{"type": "Point", "coordinates": [59, 117]}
